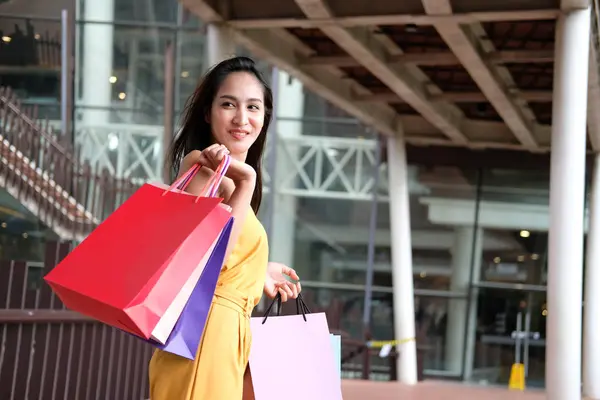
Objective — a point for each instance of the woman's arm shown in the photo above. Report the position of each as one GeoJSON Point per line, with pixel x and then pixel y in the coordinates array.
{"type": "Point", "coordinates": [242, 175]}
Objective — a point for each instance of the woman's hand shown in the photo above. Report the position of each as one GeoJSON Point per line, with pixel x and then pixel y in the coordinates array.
{"type": "Point", "coordinates": [276, 282]}
{"type": "Point", "coordinates": [212, 156]}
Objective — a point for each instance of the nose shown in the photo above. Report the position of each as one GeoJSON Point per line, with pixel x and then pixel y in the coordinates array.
{"type": "Point", "coordinates": [241, 117]}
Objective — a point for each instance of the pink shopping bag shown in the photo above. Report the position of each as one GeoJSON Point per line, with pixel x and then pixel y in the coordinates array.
{"type": "Point", "coordinates": [304, 340]}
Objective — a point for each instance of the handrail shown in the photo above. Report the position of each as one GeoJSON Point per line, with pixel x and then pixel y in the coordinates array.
{"type": "Point", "coordinates": [49, 178]}
{"type": "Point", "coordinates": [5, 99]}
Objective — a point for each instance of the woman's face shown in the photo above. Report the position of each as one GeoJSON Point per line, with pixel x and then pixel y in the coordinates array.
{"type": "Point", "coordinates": [238, 112]}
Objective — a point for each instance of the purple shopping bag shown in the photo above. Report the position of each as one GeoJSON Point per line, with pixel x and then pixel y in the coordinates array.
{"type": "Point", "coordinates": [187, 333]}
{"type": "Point", "coordinates": [306, 338]}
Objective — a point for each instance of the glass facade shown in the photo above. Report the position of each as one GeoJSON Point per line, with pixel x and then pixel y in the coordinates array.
{"type": "Point", "coordinates": [479, 236]}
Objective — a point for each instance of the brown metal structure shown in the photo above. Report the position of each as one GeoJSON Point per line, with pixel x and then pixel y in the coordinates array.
{"type": "Point", "coordinates": [48, 352]}
{"type": "Point", "coordinates": [459, 73]}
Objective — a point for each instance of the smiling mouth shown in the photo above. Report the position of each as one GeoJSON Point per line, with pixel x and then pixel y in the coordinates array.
{"type": "Point", "coordinates": [238, 134]}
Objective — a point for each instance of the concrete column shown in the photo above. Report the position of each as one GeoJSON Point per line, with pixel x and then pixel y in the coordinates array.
{"type": "Point", "coordinates": [290, 110]}
{"type": "Point", "coordinates": [567, 186]}
{"type": "Point", "coordinates": [97, 53]}
{"type": "Point", "coordinates": [591, 310]}
{"type": "Point", "coordinates": [402, 271]}
{"type": "Point", "coordinates": [466, 246]}
{"type": "Point", "coordinates": [219, 44]}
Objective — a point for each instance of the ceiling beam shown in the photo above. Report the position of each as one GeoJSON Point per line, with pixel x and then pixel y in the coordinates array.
{"type": "Point", "coordinates": [391, 19]}
{"type": "Point", "coordinates": [363, 46]}
{"type": "Point", "coordinates": [483, 74]}
{"type": "Point", "coordinates": [271, 47]}
{"type": "Point", "coordinates": [441, 58]}
{"type": "Point", "coordinates": [457, 97]}
{"type": "Point", "coordinates": [567, 5]}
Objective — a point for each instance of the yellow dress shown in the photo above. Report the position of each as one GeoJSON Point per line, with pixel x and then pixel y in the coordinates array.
{"type": "Point", "coordinates": [217, 373]}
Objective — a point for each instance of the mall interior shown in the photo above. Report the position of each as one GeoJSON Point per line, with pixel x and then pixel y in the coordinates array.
{"type": "Point", "coordinates": [478, 220]}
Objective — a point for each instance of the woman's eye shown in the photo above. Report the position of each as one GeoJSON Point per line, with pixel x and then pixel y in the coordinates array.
{"type": "Point", "coordinates": [227, 104]}
{"type": "Point", "coordinates": [253, 107]}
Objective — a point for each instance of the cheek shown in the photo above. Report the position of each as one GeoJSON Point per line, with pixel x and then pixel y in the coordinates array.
{"type": "Point", "coordinates": [217, 118]}
{"type": "Point", "coordinates": [257, 123]}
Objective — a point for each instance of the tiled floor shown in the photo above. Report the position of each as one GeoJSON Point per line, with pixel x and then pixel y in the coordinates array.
{"type": "Point", "coordinates": [430, 390]}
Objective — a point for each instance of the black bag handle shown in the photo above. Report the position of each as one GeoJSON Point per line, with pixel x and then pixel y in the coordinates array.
{"type": "Point", "coordinates": [301, 307]}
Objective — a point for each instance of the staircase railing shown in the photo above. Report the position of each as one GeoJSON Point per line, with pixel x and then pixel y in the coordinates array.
{"type": "Point", "coordinates": [49, 178]}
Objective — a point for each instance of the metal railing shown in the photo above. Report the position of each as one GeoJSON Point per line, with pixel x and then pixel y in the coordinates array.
{"type": "Point", "coordinates": [49, 178]}
{"type": "Point", "coordinates": [48, 352]}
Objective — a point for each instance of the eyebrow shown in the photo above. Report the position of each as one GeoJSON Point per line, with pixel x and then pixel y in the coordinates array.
{"type": "Point", "coordinates": [230, 97]}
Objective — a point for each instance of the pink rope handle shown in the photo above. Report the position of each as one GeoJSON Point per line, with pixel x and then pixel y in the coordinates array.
{"type": "Point", "coordinates": [213, 184]}
{"type": "Point", "coordinates": [183, 181]}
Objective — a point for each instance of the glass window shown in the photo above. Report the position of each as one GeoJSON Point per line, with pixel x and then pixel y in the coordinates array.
{"type": "Point", "coordinates": [322, 206]}
{"type": "Point", "coordinates": [323, 119]}
{"type": "Point", "coordinates": [119, 107]}
{"type": "Point", "coordinates": [148, 11]}
{"type": "Point", "coordinates": [442, 214]}
{"type": "Point", "coordinates": [192, 65]}
{"type": "Point", "coordinates": [30, 58]}
{"type": "Point", "coordinates": [36, 8]}
{"type": "Point", "coordinates": [514, 215]}
{"type": "Point", "coordinates": [22, 235]}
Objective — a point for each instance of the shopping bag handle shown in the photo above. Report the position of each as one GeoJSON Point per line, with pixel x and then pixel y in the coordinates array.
{"type": "Point", "coordinates": [301, 307]}
{"type": "Point", "coordinates": [211, 187]}
{"type": "Point", "coordinates": [215, 181]}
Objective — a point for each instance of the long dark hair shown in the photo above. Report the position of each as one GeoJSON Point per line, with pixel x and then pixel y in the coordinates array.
{"type": "Point", "coordinates": [196, 132]}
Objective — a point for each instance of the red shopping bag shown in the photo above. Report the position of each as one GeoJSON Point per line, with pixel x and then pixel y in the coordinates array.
{"type": "Point", "coordinates": [306, 336]}
{"type": "Point", "coordinates": [130, 269]}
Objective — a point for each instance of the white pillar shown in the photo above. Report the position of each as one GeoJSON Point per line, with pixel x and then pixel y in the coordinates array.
{"type": "Point", "coordinates": [402, 271]}
{"type": "Point", "coordinates": [466, 246]}
{"type": "Point", "coordinates": [219, 44]}
{"type": "Point", "coordinates": [567, 185]}
{"type": "Point", "coordinates": [290, 110]}
{"type": "Point", "coordinates": [591, 310]}
{"type": "Point", "coordinates": [97, 51]}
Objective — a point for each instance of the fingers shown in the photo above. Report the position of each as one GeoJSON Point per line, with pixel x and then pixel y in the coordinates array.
{"type": "Point", "coordinates": [283, 294]}
{"type": "Point", "coordinates": [214, 155]}
{"type": "Point", "coordinates": [290, 272]}
{"type": "Point", "coordinates": [287, 290]}
{"type": "Point", "coordinates": [294, 289]}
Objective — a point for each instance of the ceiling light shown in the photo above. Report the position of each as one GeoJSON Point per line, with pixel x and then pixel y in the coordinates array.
{"type": "Point", "coordinates": [411, 28]}
{"type": "Point", "coordinates": [524, 234]}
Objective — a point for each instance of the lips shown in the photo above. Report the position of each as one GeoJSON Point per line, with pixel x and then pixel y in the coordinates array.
{"type": "Point", "coordinates": [238, 133]}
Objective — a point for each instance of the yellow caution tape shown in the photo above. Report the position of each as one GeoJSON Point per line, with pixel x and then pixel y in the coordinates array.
{"type": "Point", "coordinates": [381, 343]}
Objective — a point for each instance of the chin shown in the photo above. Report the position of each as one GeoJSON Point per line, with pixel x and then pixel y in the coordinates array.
{"type": "Point", "coordinates": [237, 147]}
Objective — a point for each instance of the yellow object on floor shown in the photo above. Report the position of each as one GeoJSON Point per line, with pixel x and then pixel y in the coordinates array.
{"type": "Point", "coordinates": [517, 377]}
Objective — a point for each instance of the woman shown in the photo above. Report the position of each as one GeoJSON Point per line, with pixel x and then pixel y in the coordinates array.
{"type": "Point", "coordinates": [229, 113]}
